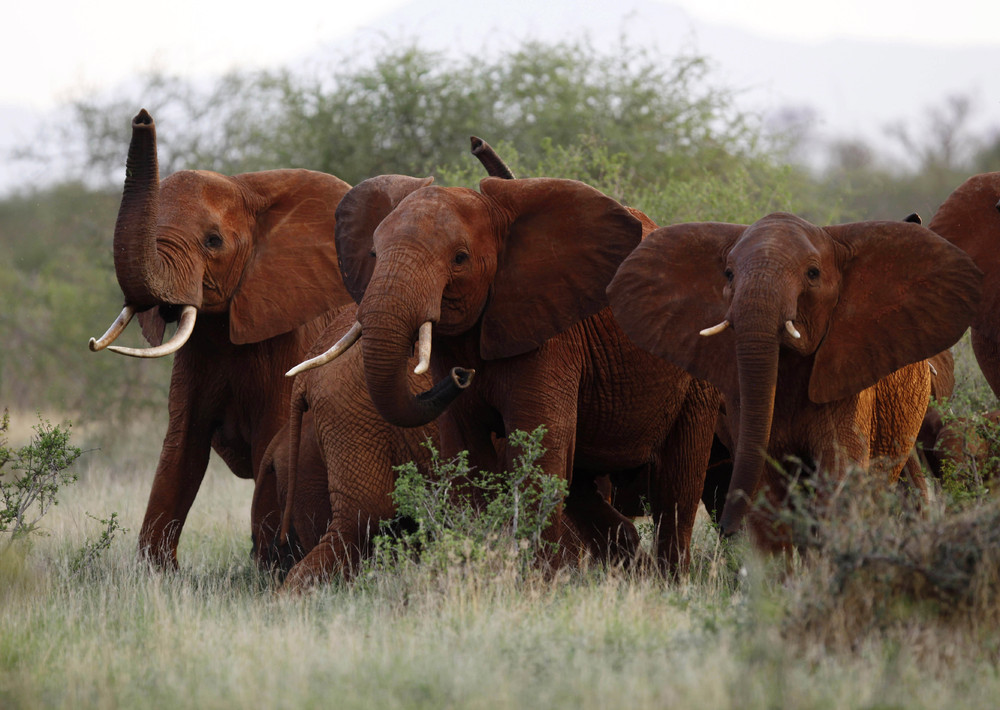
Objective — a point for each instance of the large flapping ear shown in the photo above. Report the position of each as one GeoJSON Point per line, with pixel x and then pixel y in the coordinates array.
{"type": "Point", "coordinates": [562, 243]}
{"type": "Point", "coordinates": [906, 294]}
{"type": "Point", "coordinates": [292, 275]}
{"type": "Point", "coordinates": [671, 288]}
{"type": "Point", "coordinates": [359, 213]}
{"type": "Point", "coordinates": [970, 220]}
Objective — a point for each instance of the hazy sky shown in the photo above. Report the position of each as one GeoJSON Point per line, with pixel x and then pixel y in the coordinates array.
{"type": "Point", "coordinates": [60, 49]}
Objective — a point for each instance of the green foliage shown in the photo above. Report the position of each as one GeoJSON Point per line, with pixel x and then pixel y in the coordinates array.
{"type": "Point", "coordinates": [473, 519]}
{"type": "Point", "coordinates": [93, 549]}
{"type": "Point", "coordinates": [44, 464]}
{"type": "Point", "coordinates": [409, 110]}
{"type": "Point", "coordinates": [58, 289]}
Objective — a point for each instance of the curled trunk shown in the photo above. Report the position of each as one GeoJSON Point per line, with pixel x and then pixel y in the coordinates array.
{"type": "Point", "coordinates": [387, 374]}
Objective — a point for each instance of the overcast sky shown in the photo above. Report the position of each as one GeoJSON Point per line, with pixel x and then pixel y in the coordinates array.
{"type": "Point", "coordinates": [57, 50]}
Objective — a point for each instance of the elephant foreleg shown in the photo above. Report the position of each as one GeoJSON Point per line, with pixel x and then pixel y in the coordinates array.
{"type": "Point", "coordinates": [677, 484]}
{"type": "Point", "coordinates": [178, 477]}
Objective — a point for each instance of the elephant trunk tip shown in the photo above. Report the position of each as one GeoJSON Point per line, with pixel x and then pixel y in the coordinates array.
{"type": "Point", "coordinates": [462, 377]}
{"type": "Point", "coordinates": [142, 118]}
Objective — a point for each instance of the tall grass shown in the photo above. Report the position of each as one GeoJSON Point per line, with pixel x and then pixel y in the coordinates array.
{"type": "Point", "coordinates": [738, 632]}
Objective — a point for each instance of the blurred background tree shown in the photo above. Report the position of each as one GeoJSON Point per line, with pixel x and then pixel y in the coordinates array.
{"type": "Point", "coordinates": [651, 130]}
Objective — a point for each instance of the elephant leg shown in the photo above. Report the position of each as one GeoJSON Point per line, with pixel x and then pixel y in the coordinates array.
{"type": "Point", "coordinates": [608, 535]}
{"type": "Point", "coordinates": [338, 551]}
{"type": "Point", "coordinates": [987, 351]}
{"type": "Point", "coordinates": [194, 413]}
{"type": "Point", "coordinates": [717, 478]}
{"type": "Point", "coordinates": [677, 484]}
{"type": "Point", "coordinates": [183, 461]}
{"type": "Point", "coordinates": [265, 519]}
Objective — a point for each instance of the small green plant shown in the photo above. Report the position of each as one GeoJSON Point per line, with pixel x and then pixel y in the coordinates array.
{"type": "Point", "coordinates": [459, 516]}
{"type": "Point", "coordinates": [40, 470]}
{"type": "Point", "coordinates": [93, 549]}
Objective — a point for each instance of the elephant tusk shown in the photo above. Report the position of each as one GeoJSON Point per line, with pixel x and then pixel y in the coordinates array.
{"type": "Point", "coordinates": [338, 349]}
{"type": "Point", "coordinates": [932, 368]}
{"type": "Point", "coordinates": [116, 329]}
{"type": "Point", "coordinates": [715, 329]}
{"type": "Point", "coordinates": [423, 349]}
{"type": "Point", "coordinates": [184, 330]}
{"type": "Point", "coordinates": [791, 330]}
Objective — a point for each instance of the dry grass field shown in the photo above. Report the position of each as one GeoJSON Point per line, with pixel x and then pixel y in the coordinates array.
{"type": "Point", "coordinates": [857, 623]}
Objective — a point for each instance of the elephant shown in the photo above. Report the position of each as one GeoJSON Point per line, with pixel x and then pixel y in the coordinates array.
{"type": "Point", "coordinates": [311, 507]}
{"type": "Point", "coordinates": [248, 264]}
{"type": "Point", "coordinates": [968, 442]}
{"type": "Point", "coordinates": [358, 450]}
{"type": "Point", "coordinates": [821, 338]}
{"type": "Point", "coordinates": [509, 281]}
{"type": "Point", "coordinates": [969, 218]}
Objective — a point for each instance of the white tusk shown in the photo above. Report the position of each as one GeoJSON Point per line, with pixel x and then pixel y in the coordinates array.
{"type": "Point", "coordinates": [184, 330]}
{"type": "Point", "coordinates": [116, 329]}
{"type": "Point", "coordinates": [339, 348]}
{"type": "Point", "coordinates": [715, 329]}
{"type": "Point", "coordinates": [791, 330]}
{"type": "Point", "coordinates": [933, 369]}
{"type": "Point", "coordinates": [423, 349]}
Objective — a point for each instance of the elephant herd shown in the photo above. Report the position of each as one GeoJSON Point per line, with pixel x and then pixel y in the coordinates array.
{"type": "Point", "coordinates": [667, 364]}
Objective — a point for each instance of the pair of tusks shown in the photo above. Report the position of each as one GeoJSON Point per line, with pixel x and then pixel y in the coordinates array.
{"type": "Point", "coordinates": [184, 329]}
{"type": "Point", "coordinates": [716, 329]}
{"type": "Point", "coordinates": [352, 336]}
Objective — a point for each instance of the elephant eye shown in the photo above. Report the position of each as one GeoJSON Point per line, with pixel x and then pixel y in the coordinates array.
{"type": "Point", "coordinates": [812, 273]}
{"type": "Point", "coordinates": [213, 241]}
{"type": "Point", "coordinates": [372, 253]}
{"type": "Point", "coordinates": [729, 275]}
{"type": "Point", "coordinates": [461, 257]}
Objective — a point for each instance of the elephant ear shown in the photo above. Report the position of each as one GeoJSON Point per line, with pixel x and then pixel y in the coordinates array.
{"type": "Point", "coordinates": [970, 220]}
{"type": "Point", "coordinates": [906, 295]}
{"type": "Point", "coordinates": [670, 289]}
{"type": "Point", "coordinates": [359, 214]}
{"type": "Point", "coordinates": [562, 243]}
{"type": "Point", "coordinates": [292, 275]}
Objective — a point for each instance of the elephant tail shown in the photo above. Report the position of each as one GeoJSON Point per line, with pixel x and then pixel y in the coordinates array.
{"type": "Point", "coordinates": [297, 408]}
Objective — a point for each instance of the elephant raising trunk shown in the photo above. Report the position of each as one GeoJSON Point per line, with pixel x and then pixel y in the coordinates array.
{"type": "Point", "coordinates": [142, 272]}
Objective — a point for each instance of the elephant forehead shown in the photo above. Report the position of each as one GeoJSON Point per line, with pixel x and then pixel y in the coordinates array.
{"type": "Point", "coordinates": [199, 195]}
{"type": "Point", "coordinates": [782, 235]}
{"type": "Point", "coordinates": [434, 213]}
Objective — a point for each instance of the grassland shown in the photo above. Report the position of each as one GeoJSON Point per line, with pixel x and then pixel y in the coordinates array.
{"type": "Point", "coordinates": [737, 633]}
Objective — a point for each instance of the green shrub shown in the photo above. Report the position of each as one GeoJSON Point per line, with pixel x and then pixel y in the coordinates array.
{"type": "Point", "coordinates": [459, 518]}
{"type": "Point", "coordinates": [43, 465]}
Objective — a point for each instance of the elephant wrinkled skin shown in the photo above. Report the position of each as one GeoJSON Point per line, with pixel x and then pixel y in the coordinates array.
{"type": "Point", "coordinates": [815, 336]}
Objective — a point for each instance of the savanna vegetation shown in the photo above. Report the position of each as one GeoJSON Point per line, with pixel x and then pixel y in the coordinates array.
{"type": "Point", "coordinates": [886, 608]}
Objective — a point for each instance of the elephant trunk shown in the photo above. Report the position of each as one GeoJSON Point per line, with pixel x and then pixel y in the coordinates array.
{"type": "Point", "coordinates": [141, 272]}
{"type": "Point", "coordinates": [387, 368]}
{"type": "Point", "coordinates": [757, 350]}
{"type": "Point", "coordinates": [389, 329]}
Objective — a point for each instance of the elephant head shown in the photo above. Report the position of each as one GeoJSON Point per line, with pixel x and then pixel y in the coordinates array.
{"type": "Point", "coordinates": [505, 268]}
{"type": "Point", "coordinates": [209, 243]}
{"type": "Point", "coordinates": [840, 307]}
{"type": "Point", "coordinates": [970, 219]}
